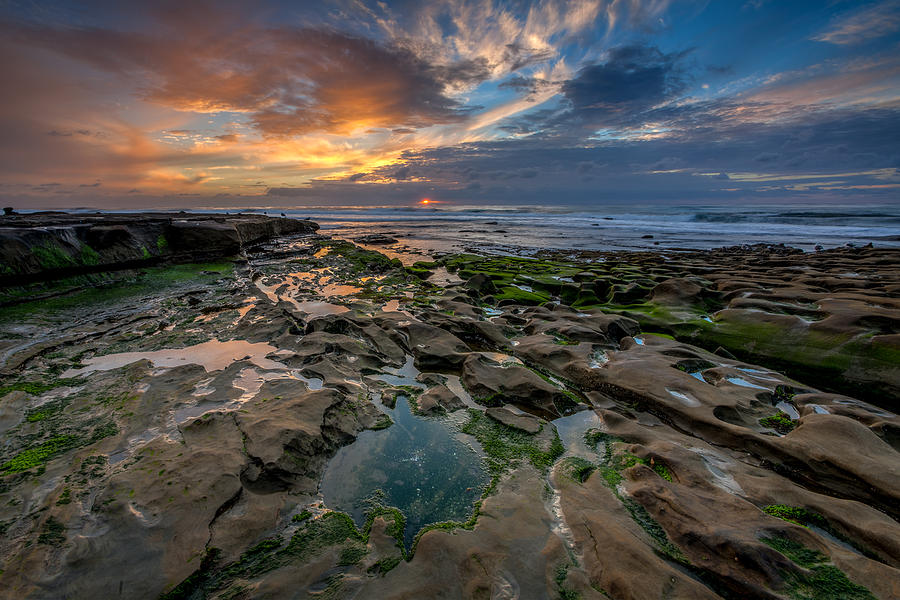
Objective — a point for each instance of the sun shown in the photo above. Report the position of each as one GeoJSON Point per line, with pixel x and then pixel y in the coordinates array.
{"type": "Point", "coordinates": [425, 201]}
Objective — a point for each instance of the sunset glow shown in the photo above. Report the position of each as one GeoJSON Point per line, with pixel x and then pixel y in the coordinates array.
{"type": "Point", "coordinates": [349, 102]}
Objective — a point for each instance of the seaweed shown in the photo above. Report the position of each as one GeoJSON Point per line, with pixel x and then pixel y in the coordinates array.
{"type": "Point", "coordinates": [780, 422]}
{"type": "Point", "coordinates": [795, 514]}
{"type": "Point", "coordinates": [505, 446]}
{"type": "Point", "coordinates": [578, 469]}
{"type": "Point", "coordinates": [817, 580]}
{"type": "Point", "coordinates": [383, 566]}
{"type": "Point", "coordinates": [611, 470]}
{"type": "Point", "coordinates": [53, 534]}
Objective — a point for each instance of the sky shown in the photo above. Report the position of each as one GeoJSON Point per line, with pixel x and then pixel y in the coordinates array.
{"type": "Point", "coordinates": [487, 102]}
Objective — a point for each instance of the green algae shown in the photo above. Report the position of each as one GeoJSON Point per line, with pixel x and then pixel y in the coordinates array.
{"type": "Point", "coordinates": [385, 565]}
{"type": "Point", "coordinates": [52, 256]}
{"type": "Point", "coordinates": [383, 422]}
{"type": "Point", "coordinates": [36, 388]}
{"type": "Point", "coordinates": [560, 577]}
{"type": "Point", "coordinates": [808, 518]}
{"type": "Point", "coordinates": [577, 469]}
{"type": "Point", "coordinates": [506, 446]}
{"type": "Point", "coordinates": [657, 334]}
{"type": "Point", "coordinates": [133, 284]}
{"type": "Point", "coordinates": [520, 296]}
{"type": "Point", "coordinates": [796, 514]}
{"type": "Point", "coordinates": [610, 469]}
{"type": "Point", "coordinates": [302, 516]}
{"type": "Point", "coordinates": [46, 411]}
{"type": "Point", "coordinates": [88, 256]}
{"type": "Point", "coordinates": [39, 454]}
{"type": "Point", "coordinates": [64, 498]}
{"type": "Point", "coordinates": [842, 361]}
{"type": "Point", "coordinates": [314, 536]}
{"type": "Point", "coordinates": [352, 554]}
{"type": "Point", "coordinates": [780, 422]}
{"type": "Point", "coordinates": [195, 581]}
{"type": "Point", "coordinates": [53, 533]}
{"type": "Point", "coordinates": [817, 580]}
{"type": "Point", "coordinates": [356, 259]}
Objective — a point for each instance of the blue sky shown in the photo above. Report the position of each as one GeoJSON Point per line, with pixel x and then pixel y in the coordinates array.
{"type": "Point", "coordinates": [354, 102]}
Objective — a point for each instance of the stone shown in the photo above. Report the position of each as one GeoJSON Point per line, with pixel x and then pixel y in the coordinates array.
{"type": "Point", "coordinates": [525, 422]}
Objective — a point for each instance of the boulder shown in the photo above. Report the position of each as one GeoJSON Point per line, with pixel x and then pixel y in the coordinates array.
{"type": "Point", "coordinates": [527, 423]}
{"type": "Point", "coordinates": [375, 238]}
{"type": "Point", "coordinates": [481, 283]}
{"type": "Point", "coordinates": [494, 384]}
{"type": "Point", "coordinates": [433, 348]}
{"type": "Point", "coordinates": [437, 400]}
{"type": "Point", "coordinates": [193, 236]}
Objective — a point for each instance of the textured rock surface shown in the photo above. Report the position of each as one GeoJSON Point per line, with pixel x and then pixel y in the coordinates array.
{"type": "Point", "coordinates": [171, 438]}
{"type": "Point", "coordinates": [51, 245]}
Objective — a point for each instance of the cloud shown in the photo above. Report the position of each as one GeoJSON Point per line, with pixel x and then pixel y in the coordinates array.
{"type": "Point", "coordinates": [402, 173]}
{"type": "Point", "coordinates": [384, 99]}
{"type": "Point", "coordinates": [630, 80]}
{"type": "Point", "coordinates": [289, 80]}
{"type": "Point", "coordinates": [868, 23]}
{"type": "Point", "coordinates": [83, 132]}
{"type": "Point", "coordinates": [813, 149]}
{"type": "Point", "coordinates": [290, 192]}
{"type": "Point", "coordinates": [530, 86]}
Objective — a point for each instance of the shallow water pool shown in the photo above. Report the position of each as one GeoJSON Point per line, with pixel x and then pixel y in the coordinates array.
{"type": "Point", "coordinates": [422, 466]}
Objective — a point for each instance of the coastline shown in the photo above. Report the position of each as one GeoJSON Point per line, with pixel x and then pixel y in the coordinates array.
{"type": "Point", "coordinates": [704, 423]}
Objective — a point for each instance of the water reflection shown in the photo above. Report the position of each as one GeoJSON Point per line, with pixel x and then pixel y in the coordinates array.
{"type": "Point", "coordinates": [212, 355]}
{"type": "Point", "coordinates": [419, 464]}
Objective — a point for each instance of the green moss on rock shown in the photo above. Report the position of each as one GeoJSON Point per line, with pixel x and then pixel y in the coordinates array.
{"type": "Point", "coordinates": [817, 580]}
{"type": "Point", "coordinates": [780, 422]}
{"type": "Point", "coordinates": [505, 446]}
{"type": "Point", "coordinates": [795, 514]}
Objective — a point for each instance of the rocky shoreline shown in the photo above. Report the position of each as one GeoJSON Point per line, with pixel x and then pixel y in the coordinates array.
{"type": "Point", "coordinates": [54, 245]}
{"type": "Point", "coordinates": [686, 425]}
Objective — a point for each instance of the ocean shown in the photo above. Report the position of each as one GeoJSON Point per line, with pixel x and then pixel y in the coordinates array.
{"type": "Point", "coordinates": [521, 229]}
{"type": "Point", "coordinates": [613, 228]}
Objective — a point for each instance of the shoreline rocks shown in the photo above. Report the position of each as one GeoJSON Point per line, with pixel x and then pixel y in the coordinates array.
{"type": "Point", "coordinates": [137, 466]}
{"type": "Point", "coordinates": [53, 245]}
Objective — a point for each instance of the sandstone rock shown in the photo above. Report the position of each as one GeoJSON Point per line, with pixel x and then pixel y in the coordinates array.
{"type": "Point", "coordinates": [375, 238]}
{"type": "Point", "coordinates": [527, 423]}
{"type": "Point", "coordinates": [482, 284]}
{"type": "Point", "coordinates": [439, 399]}
{"type": "Point", "coordinates": [434, 348]}
{"type": "Point", "coordinates": [203, 236]}
{"type": "Point", "coordinates": [494, 384]}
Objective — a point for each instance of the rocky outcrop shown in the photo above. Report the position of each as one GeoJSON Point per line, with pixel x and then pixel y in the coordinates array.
{"type": "Point", "coordinates": [375, 239]}
{"type": "Point", "coordinates": [438, 399]}
{"type": "Point", "coordinates": [40, 246]}
{"type": "Point", "coordinates": [525, 422]}
{"type": "Point", "coordinates": [685, 473]}
{"type": "Point", "coordinates": [494, 384]}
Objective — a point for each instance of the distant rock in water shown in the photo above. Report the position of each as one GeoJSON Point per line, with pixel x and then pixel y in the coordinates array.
{"type": "Point", "coordinates": [50, 245]}
{"type": "Point", "coordinates": [375, 238]}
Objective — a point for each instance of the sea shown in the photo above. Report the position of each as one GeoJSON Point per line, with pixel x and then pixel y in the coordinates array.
{"type": "Point", "coordinates": [521, 229]}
